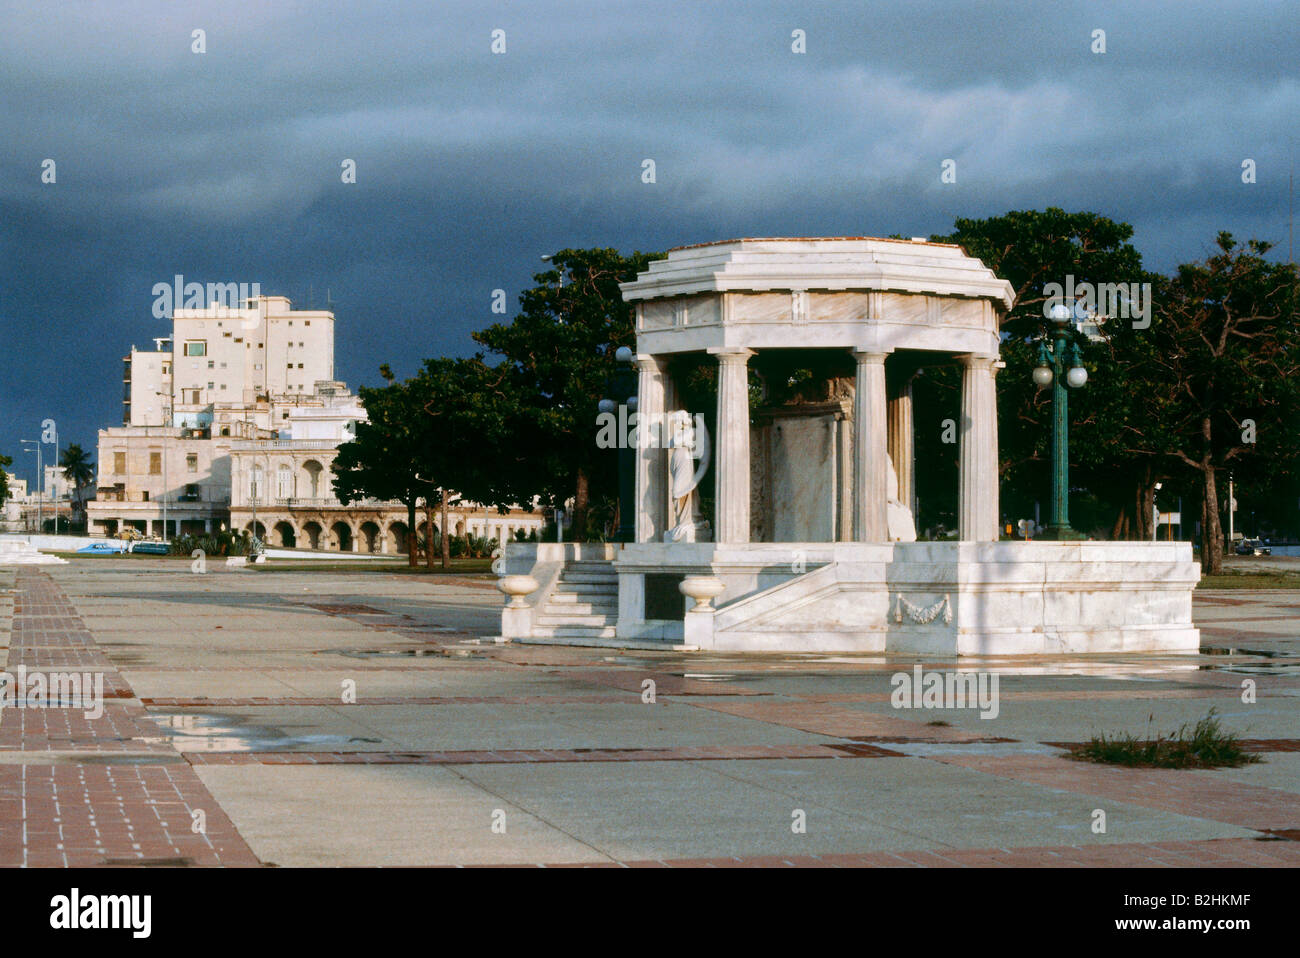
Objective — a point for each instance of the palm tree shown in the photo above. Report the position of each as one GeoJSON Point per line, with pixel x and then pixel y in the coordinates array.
{"type": "Point", "coordinates": [80, 471]}
{"type": "Point", "coordinates": [4, 479]}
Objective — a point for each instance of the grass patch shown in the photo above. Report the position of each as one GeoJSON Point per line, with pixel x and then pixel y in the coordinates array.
{"type": "Point", "coordinates": [1206, 745]}
{"type": "Point", "coordinates": [1250, 580]}
{"type": "Point", "coordinates": [386, 567]}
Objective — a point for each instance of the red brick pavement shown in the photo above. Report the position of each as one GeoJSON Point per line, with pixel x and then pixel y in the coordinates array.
{"type": "Point", "coordinates": [85, 813]}
{"type": "Point", "coordinates": [88, 815]}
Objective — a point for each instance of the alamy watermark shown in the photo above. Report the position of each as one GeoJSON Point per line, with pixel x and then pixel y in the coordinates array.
{"type": "Point", "coordinates": [53, 690]}
{"type": "Point", "coordinates": [178, 294]}
{"type": "Point", "coordinates": [919, 689]}
{"type": "Point", "coordinates": [628, 429]}
{"type": "Point", "coordinates": [1109, 300]}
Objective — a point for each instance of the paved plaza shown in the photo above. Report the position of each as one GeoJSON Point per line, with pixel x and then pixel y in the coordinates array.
{"type": "Point", "coordinates": [297, 718]}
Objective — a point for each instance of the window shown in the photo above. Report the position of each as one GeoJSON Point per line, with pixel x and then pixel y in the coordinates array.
{"type": "Point", "coordinates": [300, 344]}
{"type": "Point", "coordinates": [155, 463]}
{"type": "Point", "coordinates": [167, 369]}
{"type": "Point", "coordinates": [144, 496]}
{"type": "Point", "coordinates": [192, 462]}
{"type": "Point", "coordinates": [190, 396]}
{"type": "Point", "coordinates": [196, 347]}
{"type": "Point", "coordinates": [119, 463]}
{"type": "Point", "coordinates": [211, 364]}
{"type": "Point", "coordinates": [223, 385]}
{"type": "Point", "coordinates": [306, 322]}
{"type": "Point", "coordinates": [254, 482]}
{"type": "Point", "coordinates": [227, 335]}
{"type": "Point", "coordinates": [288, 365]}
{"type": "Point", "coordinates": [284, 482]}
{"type": "Point", "coordinates": [211, 386]}
{"type": "Point", "coordinates": [257, 366]}
{"type": "Point", "coordinates": [300, 365]}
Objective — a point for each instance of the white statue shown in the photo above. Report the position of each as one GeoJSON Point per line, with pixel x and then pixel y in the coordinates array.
{"type": "Point", "coordinates": [898, 517]}
{"type": "Point", "coordinates": [688, 442]}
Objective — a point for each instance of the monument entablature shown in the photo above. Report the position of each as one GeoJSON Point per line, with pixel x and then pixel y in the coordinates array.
{"type": "Point", "coordinates": [853, 293]}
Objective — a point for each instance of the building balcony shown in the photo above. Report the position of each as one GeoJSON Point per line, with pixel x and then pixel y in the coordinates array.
{"type": "Point", "coordinates": [177, 505]}
{"type": "Point", "coordinates": [320, 502]}
{"type": "Point", "coordinates": [253, 445]}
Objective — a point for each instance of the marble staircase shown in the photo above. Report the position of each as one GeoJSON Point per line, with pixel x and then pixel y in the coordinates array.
{"type": "Point", "coordinates": [584, 603]}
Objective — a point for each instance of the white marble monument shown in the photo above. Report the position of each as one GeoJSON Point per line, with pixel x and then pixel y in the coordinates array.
{"type": "Point", "coordinates": [813, 541]}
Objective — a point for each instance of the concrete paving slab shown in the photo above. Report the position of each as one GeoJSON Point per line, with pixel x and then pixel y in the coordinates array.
{"type": "Point", "coordinates": [391, 815]}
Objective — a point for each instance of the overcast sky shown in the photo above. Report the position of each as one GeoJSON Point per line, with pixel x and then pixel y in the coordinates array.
{"type": "Point", "coordinates": [225, 166]}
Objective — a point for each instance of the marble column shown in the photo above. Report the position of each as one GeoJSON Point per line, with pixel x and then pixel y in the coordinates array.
{"type": "Point", "coordinates": [902, 438]}
{"type": "Point", "coordinates": [731, 447]}
{"type": "Point", "coordinates": [870, 427]}
{"type": "Point", "coordinates": [844, 453]}
{"type": "Point", "coordinates": [977, 509]}
{"type": "Point", "coordinates": [651, 468]}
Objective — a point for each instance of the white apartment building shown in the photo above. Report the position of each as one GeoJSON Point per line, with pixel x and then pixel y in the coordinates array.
{"type": "Point", "coordinates": [223, 374]}
{"type": "Point", "coordinates": [237, 415]}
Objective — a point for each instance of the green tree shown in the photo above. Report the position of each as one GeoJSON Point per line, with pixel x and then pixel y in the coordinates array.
{"type": "Point", "coordinates": [383, 460]}
{"type": "Point", "coordinates": [1223, 372]}
{"type": "Point", "coordinates": [558, 354]}
{"type": "Point", "coordinates": [468, 418]}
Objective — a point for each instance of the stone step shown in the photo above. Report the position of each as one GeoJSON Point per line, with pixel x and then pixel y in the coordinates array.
{"type": "Point", "coordinates": [572, 618]}
{"type": "Point", "coordinates": [586, 588]}
{"type": "Point", "coordinates": [600, 578]}
{"type": "Point", "coordinates": [602, 598]}
{"type": "Point", "coordinates": [580, 608]}
{"type": "Point", "coordinates": [574, 632]}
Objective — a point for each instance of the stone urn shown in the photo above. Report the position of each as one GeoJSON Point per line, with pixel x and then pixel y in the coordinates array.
{"type": "Point", "coordinates": [518, 586]}
{"type": "Point", "coordinates": [703, 589]}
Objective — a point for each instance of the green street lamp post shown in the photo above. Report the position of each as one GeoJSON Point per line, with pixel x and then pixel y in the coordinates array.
{"type": "Point", "coordinates": [622, 390]}
{"type": "Point", "coordinates": [1059, 366]}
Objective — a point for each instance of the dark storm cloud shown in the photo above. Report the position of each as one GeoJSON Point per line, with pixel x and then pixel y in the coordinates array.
{"type": "Point", "coordinates": [225, 166]}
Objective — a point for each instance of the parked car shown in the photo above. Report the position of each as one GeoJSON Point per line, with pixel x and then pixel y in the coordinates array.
{"type": "Point", "coordinates": [1253, 547]}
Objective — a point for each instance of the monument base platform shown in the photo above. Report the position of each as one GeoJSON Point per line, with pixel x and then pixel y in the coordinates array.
{"type": "Point", "coordinates": [923, 598]}
{"type": "Point", "coordinates": [21, 552]}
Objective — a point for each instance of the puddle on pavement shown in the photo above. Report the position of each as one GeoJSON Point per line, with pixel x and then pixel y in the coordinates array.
{"type": "Point", "coordinates": [420, 652]}
{"type": "Point", "coordinates": [1219, 650]}
{"type": "Point", "coordinates": [1269, 667]}
{"type": "Point", "coordinates": [214, 732]}
{"type": "Point", "coordinates": [384, 653]}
